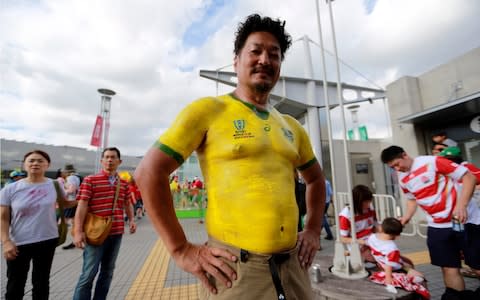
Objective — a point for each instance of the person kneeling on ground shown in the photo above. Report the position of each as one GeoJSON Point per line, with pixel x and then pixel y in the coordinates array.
{"type": "Point", "coordinates": [387, 255]}
{"type": "Point", "coordinates": [365, 221]}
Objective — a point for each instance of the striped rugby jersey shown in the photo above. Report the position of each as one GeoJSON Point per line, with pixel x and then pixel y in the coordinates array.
{"type": "Point", "coordinates": [99, 193]}
{"type": "Point", "coordinates": [385, 252]}
{"type": "Point", "coordinates": [433, 183]}
{"type": "Point", "coordinates": [364, 223]}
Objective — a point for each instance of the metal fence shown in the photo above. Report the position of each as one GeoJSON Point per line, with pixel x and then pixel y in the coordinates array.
{"type": "Point", "coordinates": [387, 206]}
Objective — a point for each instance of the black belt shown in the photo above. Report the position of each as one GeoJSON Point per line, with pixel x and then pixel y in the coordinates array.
{"type": "Point", "coordinates": [273, 262]}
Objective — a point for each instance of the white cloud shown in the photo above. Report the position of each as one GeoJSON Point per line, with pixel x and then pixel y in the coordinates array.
{"type": "Point", "coordinates": [54, 55]}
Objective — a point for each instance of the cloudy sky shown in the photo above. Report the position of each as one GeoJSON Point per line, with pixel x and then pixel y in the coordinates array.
{"type": "Point", "coordinates": [55, 54]}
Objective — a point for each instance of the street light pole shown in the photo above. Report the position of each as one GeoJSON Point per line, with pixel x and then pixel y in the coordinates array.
{"type": "Point", "coordinates": [105, 105]}
{"type": "Point", "coordinates": [351, 266]}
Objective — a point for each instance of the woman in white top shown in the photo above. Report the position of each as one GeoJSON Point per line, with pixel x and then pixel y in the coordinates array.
{"type": "Point", "coordinates": [29, 230]}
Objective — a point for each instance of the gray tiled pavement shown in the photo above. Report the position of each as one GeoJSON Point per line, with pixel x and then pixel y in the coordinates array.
{"type": "Point", "coordinates": [136, 248]}
{"type": "Point", "coordinates": [67, 265]}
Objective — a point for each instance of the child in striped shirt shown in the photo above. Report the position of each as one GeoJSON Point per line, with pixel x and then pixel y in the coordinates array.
{"type": "Point", "coordinates": [387, 254]}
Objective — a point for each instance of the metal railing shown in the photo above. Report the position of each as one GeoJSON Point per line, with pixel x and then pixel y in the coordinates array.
{"type": "Point", "coordinates": [386, 206]}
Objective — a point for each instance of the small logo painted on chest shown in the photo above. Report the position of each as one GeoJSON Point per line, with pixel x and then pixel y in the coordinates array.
{"type": "Point", "coordinates": [239, 124]}
{"type": "Point", "coordinates": [288, 134]}
{"type": "Point", "coordinates": [240, 132]}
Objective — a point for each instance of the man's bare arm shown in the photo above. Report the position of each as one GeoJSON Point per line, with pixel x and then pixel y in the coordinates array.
{"type": "Point", "coordinates": [309, 238]}
{"type": "Point", "coordinates": [468, 186]}
{"type": "Point", "coordinates": [79, 238]}
{"type": "Point", "coordinates": [152, 178]}
{"type": "Point", "coordinates": [411, 208]}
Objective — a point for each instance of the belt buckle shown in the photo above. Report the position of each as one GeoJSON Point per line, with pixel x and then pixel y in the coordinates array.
{"type": "Point", "coordinates": [243, 255]}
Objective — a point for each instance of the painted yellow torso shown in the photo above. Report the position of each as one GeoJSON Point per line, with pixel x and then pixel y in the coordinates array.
{"type": "Point", "coordinates": [247, 162]}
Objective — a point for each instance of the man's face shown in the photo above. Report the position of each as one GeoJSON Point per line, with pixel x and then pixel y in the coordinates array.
{"type": "Point", "coordinates": [258, 63]}
{"type": "Point", "coordinates": [402, 164]}
{"type": "Point", "coordinates": [110, 161]}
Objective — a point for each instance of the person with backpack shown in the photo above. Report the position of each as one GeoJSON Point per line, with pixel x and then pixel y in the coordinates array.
{"type": "Point", "coordinates": [28, 227]}
{"type": "Point", "coordinates": [72, 186]}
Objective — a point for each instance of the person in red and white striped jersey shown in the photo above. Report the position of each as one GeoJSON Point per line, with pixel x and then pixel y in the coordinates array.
{"type": "Point", "coordinates": [365, 220]}
{"type": "Point", "coordinates": [431, 182]}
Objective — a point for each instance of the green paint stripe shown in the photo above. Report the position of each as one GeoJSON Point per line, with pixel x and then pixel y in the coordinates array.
{"type": "Point", "coordinates": [308, 164]}
{"type": "Point", "coordinates": [190, 213]}
{"type": "Point", "coordinates": [262, 114]}
{"type": "Point", "coordinates": [169, 151]}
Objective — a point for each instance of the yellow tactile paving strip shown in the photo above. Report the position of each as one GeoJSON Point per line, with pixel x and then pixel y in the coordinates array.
{"type": "Point", "coordinates": [150, 281]}
{"type": "Point", "coordinates": [419, 258]}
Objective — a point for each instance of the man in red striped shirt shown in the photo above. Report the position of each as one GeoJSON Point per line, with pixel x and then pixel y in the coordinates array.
{"type": "Point", "coordinates": [431, 182]}
{"type": "Point", "coordinates": [97, 194]}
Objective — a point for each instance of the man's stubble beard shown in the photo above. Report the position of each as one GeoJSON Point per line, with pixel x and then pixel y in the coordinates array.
{"type": "Point", "coordinates": [263, 88]}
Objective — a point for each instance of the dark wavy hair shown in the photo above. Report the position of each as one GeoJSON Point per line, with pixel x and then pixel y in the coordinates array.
{"type": "Point", "coordinates": [256, 23]}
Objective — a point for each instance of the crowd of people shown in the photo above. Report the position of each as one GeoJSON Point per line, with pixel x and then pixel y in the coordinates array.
{"type": "Point", "coordinates": [258, 246]}
{"type": "Point", "coordinates": [188, 194]}
{"type": "Point", "coordinates": [30, 214]}
{"type": "Point", "coordinates": [29, 223]}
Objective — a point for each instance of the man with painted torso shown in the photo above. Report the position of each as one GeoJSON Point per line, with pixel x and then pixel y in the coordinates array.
{"type": "Point", "coordinates": [247, 152]}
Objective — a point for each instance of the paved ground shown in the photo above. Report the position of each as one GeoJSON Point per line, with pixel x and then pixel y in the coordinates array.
{"type": "Point", "coordinates": [145, 271]}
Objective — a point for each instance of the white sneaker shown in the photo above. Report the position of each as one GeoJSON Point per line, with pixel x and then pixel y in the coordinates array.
{"type": "Point", "coordinates": [391, 289]}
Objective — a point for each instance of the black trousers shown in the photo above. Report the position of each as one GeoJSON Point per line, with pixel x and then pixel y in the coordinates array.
{"type": "Point", "coordinates": [41, 256]}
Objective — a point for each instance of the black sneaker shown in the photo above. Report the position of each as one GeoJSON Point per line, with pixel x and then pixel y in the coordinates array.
{"type": "Point", "coordinates": [69, 246]}
{"type": "Point", "coordinates": [329, 238]}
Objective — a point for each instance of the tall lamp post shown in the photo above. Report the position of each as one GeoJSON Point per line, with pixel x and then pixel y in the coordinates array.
{"type": "Point", "coordinates": [106, 98]}
{"type": "Point", "coordinates": [344, 266]}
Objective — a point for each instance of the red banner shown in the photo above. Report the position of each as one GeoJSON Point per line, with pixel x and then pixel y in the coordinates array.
{"type": "Point", "coordinates": [97, 132]}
